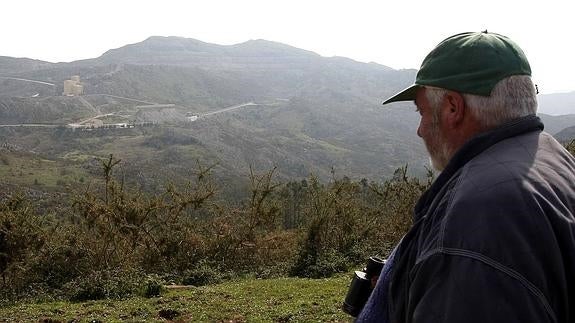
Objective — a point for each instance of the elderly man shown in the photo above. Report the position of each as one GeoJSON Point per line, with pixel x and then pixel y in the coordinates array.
{"type": "Point", "coordinates": [493, 239]}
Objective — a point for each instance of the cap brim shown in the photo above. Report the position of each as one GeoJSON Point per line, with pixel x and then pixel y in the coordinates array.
{"type": "Point", "coordinates": [405, 95]}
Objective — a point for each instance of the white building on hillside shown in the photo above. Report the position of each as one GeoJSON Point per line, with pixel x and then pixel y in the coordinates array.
{"type": "Point", "coordinates": [73, 87]}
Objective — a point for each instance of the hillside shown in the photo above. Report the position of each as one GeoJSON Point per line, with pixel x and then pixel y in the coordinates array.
{"type": "Point", "coordinates": [557, 103]}
{"type": "Point", "coordinates": [312, 114]}
{"type": "Point", "coordinates": [189, 163]}
{"type": "Point", "coordinates": [566, 135]}
{"type": "Point", "coordinates": [554, 124]}
{"type": "Point", "coordinates": [259, 54]}
{"type": "Point", "coordinates": [10, 65]}
{"type": "Point", "coordinates": [304, 113]}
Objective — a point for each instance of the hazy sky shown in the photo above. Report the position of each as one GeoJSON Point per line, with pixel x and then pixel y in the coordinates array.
{"type": "Point", "coordinates": [395, 33]}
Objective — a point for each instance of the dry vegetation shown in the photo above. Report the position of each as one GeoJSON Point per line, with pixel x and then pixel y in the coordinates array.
{"type": "Point", "coordinates": [113, 241]}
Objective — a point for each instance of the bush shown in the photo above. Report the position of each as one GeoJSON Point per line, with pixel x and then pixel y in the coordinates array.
{"type": "Point", "coordinates": [320, 265]}
{"type": "Point", "coordinates": [63, 258]}
{"type": "Point", "coordinates": [22, 234]}
{"type": "Point", "coordinates": [570, 146]}
{"type": "Point", "coordinates": [204, 274]}
{"type": "Point", "coordinates": [154, 286]}
{"type": "Point", "coordinates": [350, 221]}
{"type": "Point", "coordinates": [113, 284]}
{"type": "Point", "coordinates": [114, 242]}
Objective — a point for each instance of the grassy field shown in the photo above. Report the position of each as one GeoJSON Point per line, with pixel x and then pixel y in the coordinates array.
{"type": "Point", "coordinates": [248, 300]}
{"type": "Point", "coordinates": [35, 171]}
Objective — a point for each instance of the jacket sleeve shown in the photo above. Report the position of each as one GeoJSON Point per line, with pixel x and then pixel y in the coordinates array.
{"type": "Point", "coordinates": [459, 288]}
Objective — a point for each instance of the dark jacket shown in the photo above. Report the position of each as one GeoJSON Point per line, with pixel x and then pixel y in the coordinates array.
{"type": "Point", "coordinates": [493, 239]}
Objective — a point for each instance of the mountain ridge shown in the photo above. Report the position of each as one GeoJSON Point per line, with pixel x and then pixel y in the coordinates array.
{"type": "Point", "coordinates": [310, 114]}
{"type": "Point", "coordinates": [9, 65]}
{"type": "Point", "coordinates": [192, 52]}
{"type": "Point", "coordinates": [557, 103]}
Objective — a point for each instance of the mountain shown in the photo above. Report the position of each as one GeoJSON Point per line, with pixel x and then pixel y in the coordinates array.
{"type": "Point", "coordinates": [10, 65]}
{"type": "Point", "coordinates": [566, 135]}
{"type": "Point", "coordinates": [190, 52]}
{"type": "Point", "coordinates": [557, 103]}
{"type": "Point", "coordinates": [282, 106]}
{"type": "Point", "coordinates": [554, 124]}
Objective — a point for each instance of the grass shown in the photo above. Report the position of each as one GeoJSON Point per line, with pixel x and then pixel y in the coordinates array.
{"type": "Point", "coordinates": [34, 171]}
{"type": "Point", "coordinates": [127, 147]}
{"type": "Point", "coordinates": [246, 300]}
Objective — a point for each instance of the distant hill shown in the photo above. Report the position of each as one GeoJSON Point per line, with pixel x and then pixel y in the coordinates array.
{"type": "Point", "coordinates": [9, 65]}
{"type": "Point", "coordinates": [557, 103]}
{"type": "Point", "coordinates": [566, 135]}
{"type": "Point", "coordinates": [191, 52]}
{"type": "Point", "coordinates": [554, 124]}
{"type": "Point", "coordinates": [310, 114]}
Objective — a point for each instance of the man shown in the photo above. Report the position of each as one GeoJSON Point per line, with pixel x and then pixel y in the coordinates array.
{"type": "Point", "coordinates": [493, 239]}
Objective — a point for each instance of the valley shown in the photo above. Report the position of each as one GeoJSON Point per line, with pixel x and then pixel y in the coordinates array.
{"type": "Point", "coordinates": [166, 104]}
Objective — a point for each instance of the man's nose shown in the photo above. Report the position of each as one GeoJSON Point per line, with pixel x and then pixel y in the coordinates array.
{"type": "Point", "coordinates": [419, 131]}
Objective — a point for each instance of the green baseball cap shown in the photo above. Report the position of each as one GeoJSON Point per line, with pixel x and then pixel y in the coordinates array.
{"type": "Point", "coordinates": [468, 63]}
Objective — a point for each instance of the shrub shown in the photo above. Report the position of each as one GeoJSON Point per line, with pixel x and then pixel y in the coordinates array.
{"type": "Point", "coordinates": [350, 221]}
{"type": "Point", "coordinates": [153, 287]}
{"type": "Point", "coordinates": [21, 236]}
{"type": "Point", "coordinates": [64, 257]}
{"type": "Point", "coordinates": [114, 284]}
{"type": "Point", "coordinates": [205, 273]}
{"type": "Point", "coordinates": [570, 146]}
{"type": "Point", "coordinates": [115, 242]}
{"type": "Point", "coordinates": [137, 229]}
{"type": "Point", "coordinates": [320, 264]}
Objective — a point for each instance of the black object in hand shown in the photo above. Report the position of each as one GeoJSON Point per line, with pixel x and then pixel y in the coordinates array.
{"type": "Point", "coordinates": [362, 285]}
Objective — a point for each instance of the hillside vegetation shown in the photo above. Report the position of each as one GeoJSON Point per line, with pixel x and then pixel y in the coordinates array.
{"type": "Point", "coordinates": [114, 241]}
{"type": "Point", "coordinates": [309, 113]}
{"type": "Point", "coordinates": [117, 243]}
{"type": "Point", "coordinates": [225, 168]}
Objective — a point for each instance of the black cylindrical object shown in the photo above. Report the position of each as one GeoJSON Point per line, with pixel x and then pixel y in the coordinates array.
{"type": "Point", "coordinates": [361, 286]}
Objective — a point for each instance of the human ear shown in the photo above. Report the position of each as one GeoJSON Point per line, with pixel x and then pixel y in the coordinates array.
{"type": "Point", "coordinates": [455, 108]}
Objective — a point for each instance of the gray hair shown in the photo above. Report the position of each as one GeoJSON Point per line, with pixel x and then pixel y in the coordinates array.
{"type": "Point", "coordinates": [511, 98]}
{"type": "Point", "coordinates": [434, 97]}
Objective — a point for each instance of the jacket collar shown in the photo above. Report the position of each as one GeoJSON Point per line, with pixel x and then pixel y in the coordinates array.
{"type": "Point", "coordinates": [472, 148]}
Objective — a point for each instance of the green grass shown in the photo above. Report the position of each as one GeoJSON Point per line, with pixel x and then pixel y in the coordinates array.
{"type": "Point", "coordinates": [247, 300]}
{"type": "Point", "coordinates": [77, 156]}
{"type": "Point", "coordinates": [34, 171]}
{"type": "Point", "coordinates": [127, 147]}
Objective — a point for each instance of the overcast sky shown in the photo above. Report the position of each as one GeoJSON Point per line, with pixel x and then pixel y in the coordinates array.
{"type": "Point", "coordinates": [395, 33]}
